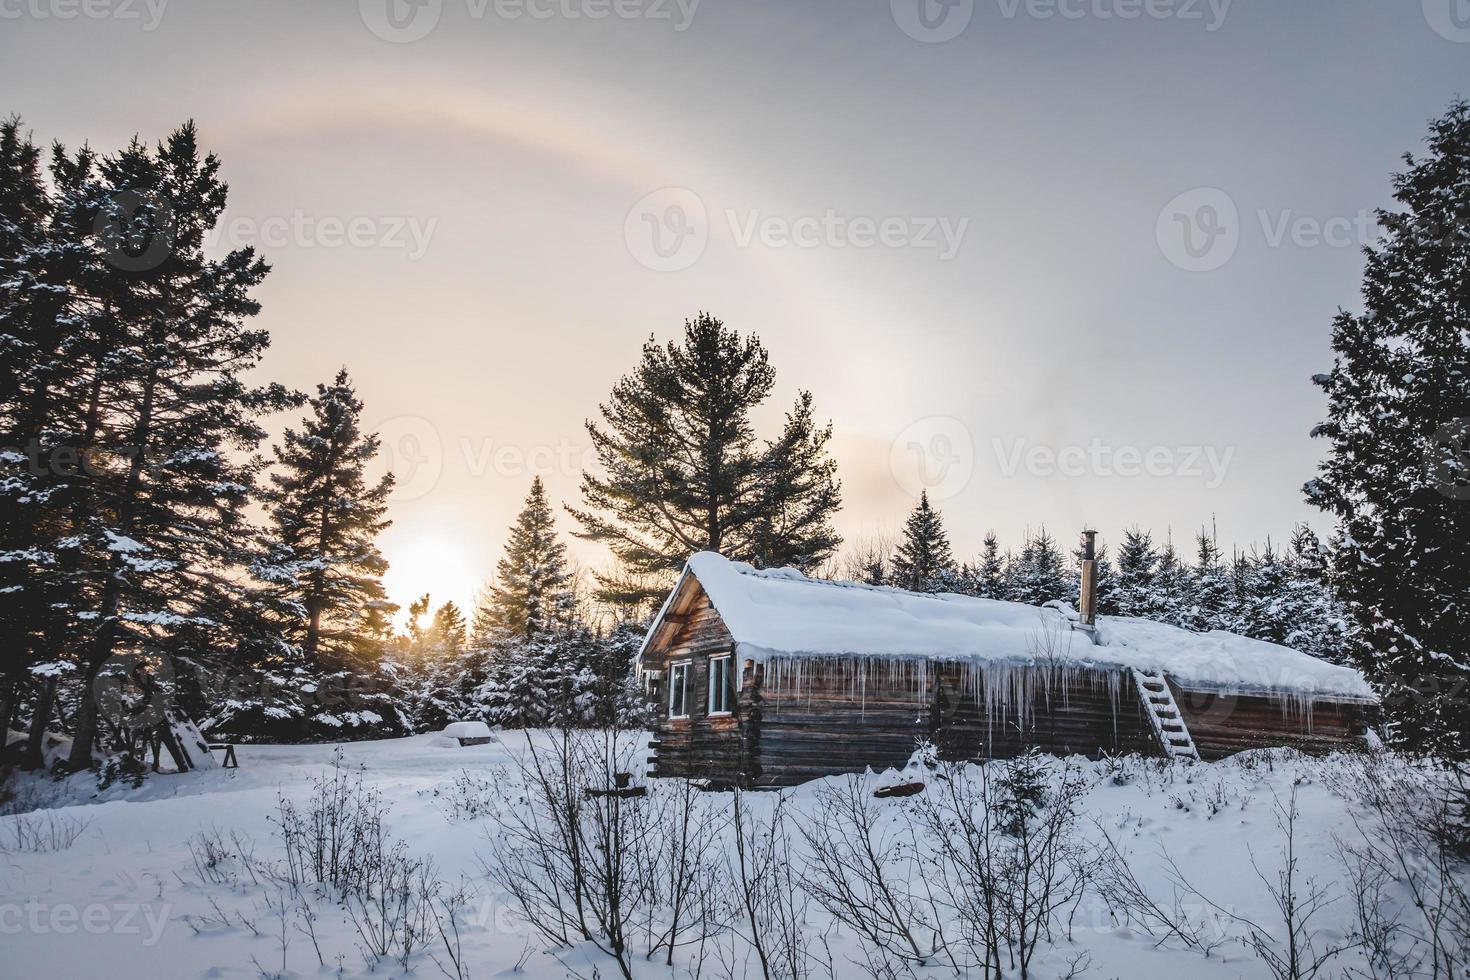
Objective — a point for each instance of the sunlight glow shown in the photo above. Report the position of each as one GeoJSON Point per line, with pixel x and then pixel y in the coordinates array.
{"type": "Point", "coordinates": [432, 562]}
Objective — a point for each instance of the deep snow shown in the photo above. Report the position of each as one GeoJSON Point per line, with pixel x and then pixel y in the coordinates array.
{"type": "Point", "coordinates": [115, 903]}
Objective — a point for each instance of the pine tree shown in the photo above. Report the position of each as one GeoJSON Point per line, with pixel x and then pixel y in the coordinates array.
{"type": "Point", "coordinates": [533, 592]}
{"type": "Point", "coordinates": [1039, 574]}
{"type": "Point", "coordinates": [684, 472]}
{"type": "Point", "coordinates": [990, 575]}
{"type": "Point", "coordinates": [326, 515]}
{"type": "Point", "coordinates": [1397, 474]}
{"type": "Point", "coordinates": [799, 494]}
{"type": "Point", "coordinates": [923, 562]}
{"type": "Point", "coordinates": [165, 537]}
{"type": "Point", "coordinates": [1133, 592]}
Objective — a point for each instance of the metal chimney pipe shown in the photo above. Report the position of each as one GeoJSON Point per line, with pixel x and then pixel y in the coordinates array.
{"type": "Point", "coordinates": [1087, 601]}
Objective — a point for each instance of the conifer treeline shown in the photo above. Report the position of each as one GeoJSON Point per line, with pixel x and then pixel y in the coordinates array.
{"type": "Point", "coordinates": [1281, 595]}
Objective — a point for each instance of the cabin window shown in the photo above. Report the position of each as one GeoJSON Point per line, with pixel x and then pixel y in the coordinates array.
{"type": "Point", "coordinates": [653, 685]}
{"type": "Point", "coordinates": [721, 690]}
{"type": "Point", "coordinates": [679, 690]}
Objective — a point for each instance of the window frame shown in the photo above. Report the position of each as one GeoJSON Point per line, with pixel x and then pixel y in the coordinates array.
{"type": "Point", "coordinates": [729, 685]}
{"type": "Point", "coordinates": [679, 669]}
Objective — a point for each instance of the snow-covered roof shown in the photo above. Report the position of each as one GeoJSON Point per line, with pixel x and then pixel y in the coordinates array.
{"type": "Point", "coordinates": [782, 613]}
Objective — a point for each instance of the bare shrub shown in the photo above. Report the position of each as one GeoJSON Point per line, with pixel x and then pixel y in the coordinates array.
{"type": "Point", "coordinates": [1406, 868]}
{"type": "Point", "coordinates": [863, 873]}
{"type": "Point", "coordinates": [565, 849]}
{"type": "Point", "coordinates": [766, 895]}
{"type": "Point", "coordinates": [468, 796]}
{"type": "Point", "coordinates": [337, 835]}
{"type": "Point", "coordinates": [1164, 919]}
{"type": "Point", "coordinates": [680, 870]}
{"type": "Point", "coordinates": [1291, 947]}
{"type": "Point", "coordinates": [1005, 860]}
{"type": "Point", "coordinates": [41, 832]}
{"type": "Point", "coordinates": [392, 905]}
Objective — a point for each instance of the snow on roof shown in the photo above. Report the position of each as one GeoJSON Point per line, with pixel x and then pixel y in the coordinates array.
{"type": "Point", "coordinates": [782, 613]}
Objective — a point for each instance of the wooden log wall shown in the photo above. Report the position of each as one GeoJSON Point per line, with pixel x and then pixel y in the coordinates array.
{"type": "Point", "coordinates": [1223, 724]}
{"type": "Point", "coordinates": [721, 748]}
{"type": "Point", "coordinates": [784, 733]}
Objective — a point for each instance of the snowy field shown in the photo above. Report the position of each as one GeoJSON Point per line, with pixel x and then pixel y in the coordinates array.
{"type": "Point", "coordinates": [130, 897]}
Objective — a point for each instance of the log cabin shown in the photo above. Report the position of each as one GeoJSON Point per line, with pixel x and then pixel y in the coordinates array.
{"type": "Point", "coordinates": [768, 678]}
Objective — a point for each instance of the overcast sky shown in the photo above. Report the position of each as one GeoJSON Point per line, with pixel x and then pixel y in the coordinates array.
{"type": "Point", "coordinates": [1069, 262]}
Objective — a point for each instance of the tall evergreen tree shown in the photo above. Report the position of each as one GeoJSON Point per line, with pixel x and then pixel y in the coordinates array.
{"type": "Point", "coordinates": [990, 573]}
{"type": "Point", "coordinates": [533, 592]}
{"type": "Point", "coordinates": [1397, 476]}
{"type": "Point", "coordinates": [1039, 574]}
{"type": "Point", "coordinates": [684, 472]}
{"type": "Point", "coordinates": [1133, 592]}
{"type": "Point", "coordinates": [326, 516]}
{"type": "Point", "coordinates": [923, 561]}
{"type": "Point", "coordinates": [165, 535]}
{"type": "Point", "coordinates": [799, 495]}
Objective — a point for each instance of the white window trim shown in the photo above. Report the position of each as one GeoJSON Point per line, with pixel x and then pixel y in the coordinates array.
{"type": "Point", "coordinates": [730, 658]}
{"type": "Point", "coordinates": [673, 671]}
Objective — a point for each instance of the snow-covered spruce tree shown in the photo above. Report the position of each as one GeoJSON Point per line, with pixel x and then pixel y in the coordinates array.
{"type": "Point", "coordinates": [1133, 592]}
{"type": "Point", "coordinates": [684, 472]}
{"type": "Point", "coordinates": [163, 535]}
{"type": "Point", "coordinates": [1039, 574]}
{"type": "Point", "coordinates": [532, 593]}
{"type": "Point", "coordinates": [48, 338]}
{"type": "Point", "coordinates": [1397, 476]}
{"type": "Point", "coordinates": [923, 561]}
{"type": "Point", "coordinates": [990, 573]}
{"type": "Point", "coordinates": [1211, 602]}
{"type": "Point", "coordinates": [326, 515]}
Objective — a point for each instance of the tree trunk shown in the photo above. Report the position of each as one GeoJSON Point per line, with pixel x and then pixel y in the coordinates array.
{"type": "Point", "coordinates": [35, 754]}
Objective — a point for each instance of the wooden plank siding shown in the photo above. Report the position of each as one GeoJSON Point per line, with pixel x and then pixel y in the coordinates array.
{"type": "Point", "coordinates": [1223, 724]}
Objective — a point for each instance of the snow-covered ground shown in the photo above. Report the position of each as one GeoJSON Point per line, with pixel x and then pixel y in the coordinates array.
{"type": "Point", "coordinates": [126, 898]}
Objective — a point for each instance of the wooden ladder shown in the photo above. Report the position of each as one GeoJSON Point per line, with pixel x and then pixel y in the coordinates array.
{"type": "Point", "coordinates": [1163, 713]}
